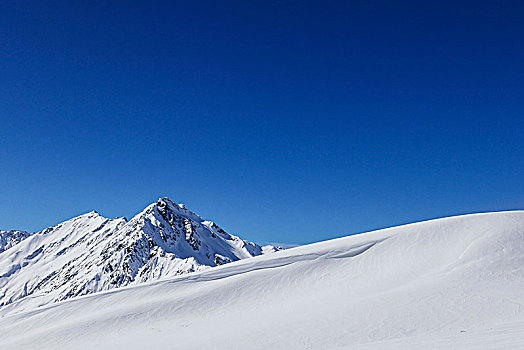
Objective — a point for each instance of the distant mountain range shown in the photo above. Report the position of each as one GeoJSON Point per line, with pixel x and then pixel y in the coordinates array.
{"type": "Point", "coordinates": [91, 253]}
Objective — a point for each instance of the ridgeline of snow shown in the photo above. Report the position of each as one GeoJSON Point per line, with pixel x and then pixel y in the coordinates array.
{"type": "Point", "coordinates": [91, 253]}
{"type": "Point", "coordinates": [453, 283]}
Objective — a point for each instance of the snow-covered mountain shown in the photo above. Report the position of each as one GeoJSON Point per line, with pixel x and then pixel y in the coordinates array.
{"type": "Point", "coordinates": [91, 253]}
{"type": "Point", "coordinates": [453, 283]}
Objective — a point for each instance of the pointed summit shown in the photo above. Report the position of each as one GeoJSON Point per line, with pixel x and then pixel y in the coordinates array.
{"type": "Point", "coordinates": [91, 253]}
{"type": "Point", "coordinates": [168, 207]}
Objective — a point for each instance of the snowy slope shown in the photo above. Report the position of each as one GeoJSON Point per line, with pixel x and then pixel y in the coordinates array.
{"type": "Point", "coordinates": [453, 283]}
{"type": "Point", "coordinates": [91, 253]}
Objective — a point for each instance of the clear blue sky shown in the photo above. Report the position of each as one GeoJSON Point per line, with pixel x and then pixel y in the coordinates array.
{"type": "Point", "coordinates": [281, 121]}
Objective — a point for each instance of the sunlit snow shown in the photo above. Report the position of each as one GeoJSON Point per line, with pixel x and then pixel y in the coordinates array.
{"type": "Point", "coordinates": [452, 283]}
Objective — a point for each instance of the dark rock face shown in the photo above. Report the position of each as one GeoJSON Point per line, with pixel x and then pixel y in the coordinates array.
{"type": "Point", "coordinates": [9, 239]}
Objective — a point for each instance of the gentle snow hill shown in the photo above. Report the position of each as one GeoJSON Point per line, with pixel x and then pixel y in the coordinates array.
{"type": "Point", "coordinates": [453, 283]}
{"type": "Point", "coordinates": [91, 253]}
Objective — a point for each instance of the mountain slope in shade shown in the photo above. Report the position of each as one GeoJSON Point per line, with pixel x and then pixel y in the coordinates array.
{"type": "Point", "coordinates": [11, 238]}
{"type": "Point", "coordinates": [453, 283]}
{"type": "Point", "coordinates": [91, 253]}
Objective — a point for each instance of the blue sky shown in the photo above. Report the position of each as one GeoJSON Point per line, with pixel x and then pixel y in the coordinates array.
{"type": "Point", "coordinates": [281, 121]}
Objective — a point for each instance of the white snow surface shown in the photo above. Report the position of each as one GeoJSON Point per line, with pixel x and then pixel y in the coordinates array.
{"type": "Point", "coordinates": [452, 283]}
{"type": "Point", "coordinates": [91, 253]}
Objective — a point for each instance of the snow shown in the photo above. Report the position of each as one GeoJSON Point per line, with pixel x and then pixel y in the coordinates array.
{"type": "Point", "coordinates": [91, 253]}
{"type": "Point", "coordinates": [452, 283]}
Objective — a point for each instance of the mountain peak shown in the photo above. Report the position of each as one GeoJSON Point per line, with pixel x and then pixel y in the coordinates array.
{"type": "Point", "coordinates": [166, 200]}
{"type": "Point", "coordinates": [91, 214]}
{"type": "Point", "coordinates": [91, 253]}
{"type": "Point", "coordinates": [165, 205]}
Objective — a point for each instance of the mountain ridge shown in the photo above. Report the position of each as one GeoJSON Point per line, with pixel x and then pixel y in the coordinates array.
{"type": "Point", "coordinates": [91, 253]}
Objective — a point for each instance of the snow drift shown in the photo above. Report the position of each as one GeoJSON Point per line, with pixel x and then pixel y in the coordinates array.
{"type": "Point", "coordinates": [449, 283]}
